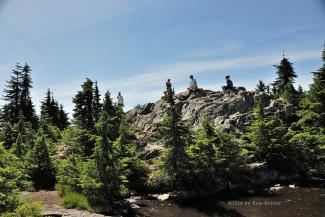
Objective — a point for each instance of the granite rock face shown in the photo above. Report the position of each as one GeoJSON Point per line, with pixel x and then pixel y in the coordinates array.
{"type": "Point", "coordinates": [232, 111]}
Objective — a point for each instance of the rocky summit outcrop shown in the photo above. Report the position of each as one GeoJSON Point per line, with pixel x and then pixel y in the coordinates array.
{"type": "Point", "coordinates": [232, 111]}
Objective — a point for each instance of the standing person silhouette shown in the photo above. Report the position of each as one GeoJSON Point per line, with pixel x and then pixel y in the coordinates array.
{"type": "Point", "coordinates": [120, 100]}
{"type": "Point", "coordinates": [168, 85]}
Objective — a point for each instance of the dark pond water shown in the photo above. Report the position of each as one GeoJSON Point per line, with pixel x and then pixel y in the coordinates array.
{"type": "Point", "coordinates": [286, 202]}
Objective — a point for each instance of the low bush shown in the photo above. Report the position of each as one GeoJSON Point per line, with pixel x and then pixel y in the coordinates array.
{"type": "Point", "coordinates": [29, 208]}
{"type": "Point", "coordinates": [75, 200]}
{"type": "Point", "coordinates": [159, 181]}
{"type": "Point", "coordinates": [26, 208]}
{"type": "Point", "coordinates": [63, 189]}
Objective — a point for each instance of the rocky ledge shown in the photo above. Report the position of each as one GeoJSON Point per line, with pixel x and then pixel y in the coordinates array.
{"type": "Point", "coordinates": [231, 111]}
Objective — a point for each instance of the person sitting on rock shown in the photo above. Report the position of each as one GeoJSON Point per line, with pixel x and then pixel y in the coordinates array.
{"type": "Point", "coordinates": [192, 86]}
{"type": "Point", "coordinates": [229, 85]}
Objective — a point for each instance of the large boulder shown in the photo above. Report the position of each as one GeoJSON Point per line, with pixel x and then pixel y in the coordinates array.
{"type": "Point", "coordinates": [150, 150]}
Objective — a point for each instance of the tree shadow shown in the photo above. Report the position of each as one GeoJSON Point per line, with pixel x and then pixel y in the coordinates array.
{"type": "Point", "coordinates": [210, 206]}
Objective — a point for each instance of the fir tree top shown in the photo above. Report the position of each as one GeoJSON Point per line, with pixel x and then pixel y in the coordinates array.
{"type": "Point", "coordinates": [285, 73]}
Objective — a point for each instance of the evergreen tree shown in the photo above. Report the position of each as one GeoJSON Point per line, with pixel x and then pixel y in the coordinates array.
{"type": "Point", "coordinates": [312, 113]}
{"type": "Point", "coordinates": [108, 106]}
{"type": "Point", "coordinates": [63, 121]}
{"type": "Point", "coordinates": [309, 152]}
{"type": "Point", "coordinates": [300, 92]}
{"type": "Point", "coordinates": [26, 104]}
{"type": "Point", "coordinates": [19, 147]}
{"type": "Point", "coordinates": [17, 95]}
{"type": "Point", "coordinates": [7, 135]}
{"type": "Point", "coordinates": [107, 165]}
{"type": "Point", "coordinates": [286, 74]}
{"type": "Point", "coordinates": [68, 172]}
{"type": "Point", "coordinates": [268, 142]}
{"type": "Point", "coordinates": [176, 136]}
{"type": "Point", "coordinates": [317, 94]}
{"type": "Point", "coordinates": [268, 91]}
{"type": "Point", "coordinates": [54, 113]}
{"type": "Point", "coordinates": [96, 103]}
{"type": "Point", "coordinates": [42, 170]}
{"type": "Point", "coordinates": [83, 111]}
{"type": "Point", "coordinates": [126, 137]}
{"type": "Point", "coordinates": [51, 132]}
{"type": "Point", "coordinates": [260, 87]}
{"type": "Point", "coordinates": [71, 137]}
{"type": "Point", "coordinates": [308, 132]}
{"type": "Point", "coordinates": [257, 135]}
{"type": "Point", "coordinates": [25, 129]}
{"type": "Point", "coordinates": [290, 95]}
{"type": "Point", "coordinates": [12, 179]}
{"type": "Point", "coordinates": [203, 158]}
{"type": "Point", "coordinates": [114, 114]}
{"type": "Point", "coordinates": [12, 95]}
{"type": "Point", "coordinates": [10, 133]}
{"type": "Point", "coordinates": [133, 167]}
{"type": "Point", "coordinates": [46, 105]}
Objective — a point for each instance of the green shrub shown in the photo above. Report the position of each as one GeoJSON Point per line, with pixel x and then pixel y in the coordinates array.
{"type": "Point", "coordinates": [68, 172]}
{"type": "Point", "coordinates": [159, 181]}
{"type": "Point", "coordinates": [63, 189]}
{"type": "Point", "coordinates": [26, 208]}
{"type": "Point", "coordinates": [29, 209]}
{"type": "Point", "coordinates": [75, 200]}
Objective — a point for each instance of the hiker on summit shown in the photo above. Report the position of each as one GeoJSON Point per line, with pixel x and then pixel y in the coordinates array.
{"type": "Point", "coordinates": [192, 86]}
{"type": "Point", "coordinates": [229, 84]}
{"type": "Point", "coordinates": [120, 100]}
{"type": "Point", "coordinates": [169, 93]}
{"type": "Point", "coordinates": [169, 85]}
{"type": "Point", "coordinates": [169, 90]}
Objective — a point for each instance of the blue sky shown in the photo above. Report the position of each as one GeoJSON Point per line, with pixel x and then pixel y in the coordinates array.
{"type": "Point", "coordinates": [133, 46]}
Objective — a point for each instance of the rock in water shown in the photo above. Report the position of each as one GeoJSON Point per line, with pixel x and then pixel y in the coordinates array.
{"type": "Point", "coordinates": [163, 197]}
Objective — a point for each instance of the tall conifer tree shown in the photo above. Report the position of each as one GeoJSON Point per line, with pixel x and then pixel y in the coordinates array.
{"type": "Point", "coordinates": [42, 170]}
{"type": "Point", "coordinates": [54, 113]}
{"type": "Point", "coordinates": [176, 136]}
{"type": "Point", "coordinates": [312, 114]}
{"type": "Point", "coordinates": [11, 109]}
{"type": "Point", "coordinates": [83, 111]}
{"type": "Point", "coordinates": [96, 103]}
{"type": "Point", "coordinates": [114, 114]}
{"type": "Point", "coordinates": [63, 118]}
{"type": "Point", "coordinates": [107, 165]}
{"type": "Point", "coordinates": [286, 74]}
{"type": "Point", "coordinates": [26, 104]}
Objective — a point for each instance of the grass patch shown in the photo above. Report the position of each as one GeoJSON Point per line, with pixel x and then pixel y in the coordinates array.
{"type": "Point", "coordinates": [63, 189]}
{"type": "Point", "coordinates": [75, 200]}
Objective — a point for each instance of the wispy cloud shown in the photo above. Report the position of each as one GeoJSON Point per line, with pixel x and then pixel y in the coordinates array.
{"type": "Point", "coordinates": [225, 47]}
{"type": "Point", "coordinates": [296, 30]}
{"type": "Point", "coordinates": [179, 69]}
{"type": "Point", "coordinates": [148, 86]}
